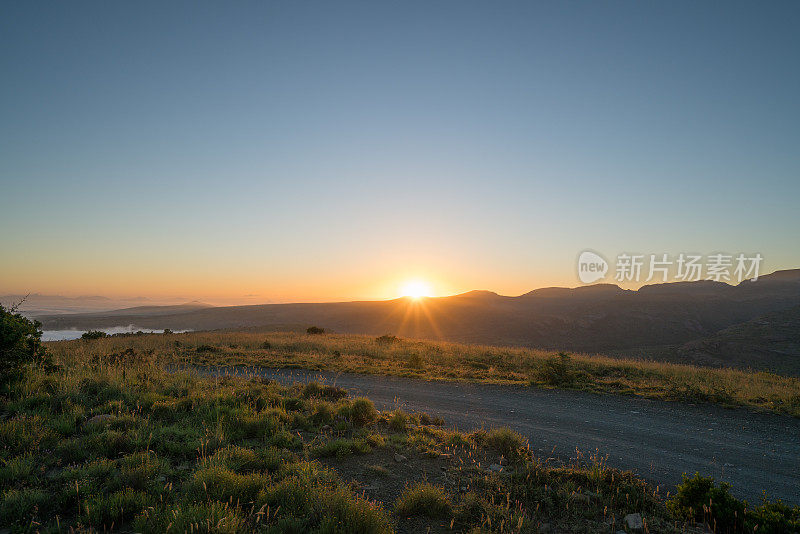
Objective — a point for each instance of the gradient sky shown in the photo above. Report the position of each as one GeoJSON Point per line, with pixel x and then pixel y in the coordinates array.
{"type": "Point", "coordinates": [277, 151]}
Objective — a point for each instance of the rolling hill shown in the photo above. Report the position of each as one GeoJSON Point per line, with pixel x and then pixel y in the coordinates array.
{"type": "Point", "coordinates": [658, 321]}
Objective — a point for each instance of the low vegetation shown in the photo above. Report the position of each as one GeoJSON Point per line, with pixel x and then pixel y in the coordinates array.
{"type": "Point", "coordinates": [451, 361]}
{"type": "Point", "coordinates": [20, 347]}
{"type": "Point", "coordinates": [698, 499]}
{"type": "Point", "coordinates": [94, 334]}
{"type": "Point", "coordinates": [111, 439]}
{"type": "Point", "coordinates": [424, 499]}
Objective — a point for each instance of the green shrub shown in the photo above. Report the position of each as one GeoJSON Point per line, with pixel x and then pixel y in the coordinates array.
{"type": "Point", "coordinates": [20, 345]}
{"type": "Point", "coordinates": [261, 425]}
{"type": "Point", "coordinates": [398, 421]}
{"type": "Point", "coordinates": [286, 440]}
{"type": "Point", "coordinates": [423, 499]}
{"type": "Point", "coordinates": [558, 371]}
{"type": "Point", "coordinates": [103, 510]}
{"type": "Point", "coordinates": [376, 440]}
{"type": "Point", "coordinates": [341, 448]}
{"type": "Point", "coordinates": [221, 484]}
{"type": "Point", "coordinates": [323, 414]}
{"type": "Point", "coordinates": [502, 440]}
{"type": "Point", "coordinates": [94, 334]}
{"type": "Point", "coordinates": [773, 518]}
{"type": "Point", "coordinates": [18, 469]}
{"type": "Point", "coordinates": [313, 501]}
{"type": "Point", "coordinates": [22, 506]}
{"type": "Point", "coordinates": [362, 411]}
{"type": "Point", "coordinates": [216, 517]}
{"type": "Point", "coordinates": [699, 499]}
{"type": "Point", "coordinates": [471, 508]}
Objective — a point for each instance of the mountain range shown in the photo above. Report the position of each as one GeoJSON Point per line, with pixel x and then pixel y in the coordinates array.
{"type": "Point", "coordinates": [750, 325]}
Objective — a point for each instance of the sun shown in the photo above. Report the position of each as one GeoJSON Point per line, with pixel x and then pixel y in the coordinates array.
{"type": "Point", "coordinates": [416, 289]}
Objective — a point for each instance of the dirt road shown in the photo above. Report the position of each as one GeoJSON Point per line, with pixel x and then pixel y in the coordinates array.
{"type": "Point", "coordinates": [659, 440]}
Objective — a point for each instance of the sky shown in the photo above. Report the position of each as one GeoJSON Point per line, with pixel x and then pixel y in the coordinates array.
{"type": "Point", "coordinates": [316, 151]}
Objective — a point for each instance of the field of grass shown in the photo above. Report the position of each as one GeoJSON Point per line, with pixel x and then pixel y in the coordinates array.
{"type": "Point", "coordinates": [118, 440]}
{"type": "Point", "coordinates": [118, 443]}
{"type": "Point", "coordinates": [451, 361]}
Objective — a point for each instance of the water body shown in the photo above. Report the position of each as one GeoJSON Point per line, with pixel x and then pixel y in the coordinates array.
{"type": "Point", "coordinates": [64, 335]}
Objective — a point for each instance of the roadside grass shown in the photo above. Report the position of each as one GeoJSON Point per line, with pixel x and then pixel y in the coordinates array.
{"type": "Point", "coordinates": [389, 355]}
{"type": "Point", "coordinates": [424, 499]}
{"type": "Point", "coordinates": [123, 444]}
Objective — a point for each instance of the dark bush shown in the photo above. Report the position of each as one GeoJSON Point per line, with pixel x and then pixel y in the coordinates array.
{"type": "Point", "coordinates": [425, 500]}
{"type": "Point", "coordinates": [94, 334]}
{"type": "Point", "coordinates": [363, 411]}
{"type": "Point", "coordinates": [698, 499]}
{"type": "Point", "coordinates": [315, 330]}
{"type": "Point", "coordinates": [20, 345]}
{"type": "Point", "coordinates": [773, 518]}
{"type": "Point", "coordinates": [398, 421]}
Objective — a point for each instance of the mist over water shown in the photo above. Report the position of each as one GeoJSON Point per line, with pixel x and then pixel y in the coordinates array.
{"type": "Point", "coordinates": [64, 335]}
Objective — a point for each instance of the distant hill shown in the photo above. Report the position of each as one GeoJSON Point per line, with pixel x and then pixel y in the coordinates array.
{"type": "Point", "coordinates": [598, 318]}
{"type": "Point", "coordinates": [769, 342]}
{"type": "Point", "coordinates": [151, 311]}
{"type": "Point", "coordinates": [35, 305]}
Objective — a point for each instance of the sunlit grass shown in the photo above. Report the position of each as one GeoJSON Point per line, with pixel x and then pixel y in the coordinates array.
{"type": "Point", "coordinates": [118, 439]}
{"type": "Point", "coordinates": [453, 361]}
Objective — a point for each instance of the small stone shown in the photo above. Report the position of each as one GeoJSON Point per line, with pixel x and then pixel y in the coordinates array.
{"type": "Point", "coordinates": [399, 458]}
{"type": "Point", "coordinates": [634, 522]}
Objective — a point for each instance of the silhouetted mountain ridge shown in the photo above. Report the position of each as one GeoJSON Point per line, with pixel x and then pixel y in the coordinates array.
{"type": "Point", "coordinates": [595, 318]}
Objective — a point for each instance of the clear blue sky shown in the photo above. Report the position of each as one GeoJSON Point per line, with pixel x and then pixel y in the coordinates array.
{"type": "Point", "coordinates": [319, 150]}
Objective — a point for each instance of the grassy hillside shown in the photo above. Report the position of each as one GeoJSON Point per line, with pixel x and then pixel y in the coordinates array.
{"type": "Point", "coordinates": [109, 440]}
{"type": "Point", "coordinates": [120, 444]}
{"type": "Point", "coordinates": [451, 361]}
